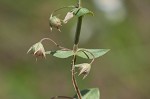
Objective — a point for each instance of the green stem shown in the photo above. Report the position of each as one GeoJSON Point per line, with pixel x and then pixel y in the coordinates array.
{"type": "Point", "coordinates": [78, 30]}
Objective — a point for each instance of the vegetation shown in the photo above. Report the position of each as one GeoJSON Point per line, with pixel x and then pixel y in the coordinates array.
{"type": "Point", "coordinates": [90, 54]}
{"type": "Point", "coordinates": [119, 25]}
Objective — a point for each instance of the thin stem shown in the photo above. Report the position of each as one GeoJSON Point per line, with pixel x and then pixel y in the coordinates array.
{"type": "Point", "coordinates": [54, 43]}
{"type": "Point", "coordinates": [79, 3]}
{"type": "Point", "coordinates": [74, 79]}
{"type": "Point", "coordinates": [49, 40]}
{"type": "Point", "coordinates": [62, 8]}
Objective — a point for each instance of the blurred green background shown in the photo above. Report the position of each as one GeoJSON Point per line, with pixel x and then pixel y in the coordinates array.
{"type": "Point", "coordinates": [122, 26]}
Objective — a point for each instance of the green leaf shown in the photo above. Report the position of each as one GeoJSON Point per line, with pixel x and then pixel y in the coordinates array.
{"type": "Point", "coordinates": [61, 53]}
{"type": "Point", "coordinates": [92, 93]}
{"type": "Point", "coordinates": [81, 11]}
{"type": "Point", "coordinates": [86, 53]}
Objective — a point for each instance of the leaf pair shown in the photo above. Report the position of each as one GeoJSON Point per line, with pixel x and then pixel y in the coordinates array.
{"type": "Point", "coordinates": [83, 53]}
{"type": "Point", "coordinates": [81, 11]}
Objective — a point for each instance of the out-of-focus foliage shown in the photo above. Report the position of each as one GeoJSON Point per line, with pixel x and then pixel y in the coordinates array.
{"type": "Point", "coordinates": [123, 73]}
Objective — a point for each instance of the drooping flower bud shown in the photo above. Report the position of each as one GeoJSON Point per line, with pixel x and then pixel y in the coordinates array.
{"type": "Point", "coordinates": [68, 17]}
{"type": "Point", "coordinates": [37, 50]}
{"type": "Point", "coordinates": [84, 69]}
{"type": "Point", "coordinates": [55, 22]}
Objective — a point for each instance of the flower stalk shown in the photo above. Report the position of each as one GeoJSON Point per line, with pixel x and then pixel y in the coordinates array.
{"type": "Point", "coordinates": [57, 45]}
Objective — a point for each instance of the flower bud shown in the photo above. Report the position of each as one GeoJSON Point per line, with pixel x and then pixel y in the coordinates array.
{"type": "Point", "coordinates": [68, 17]}
{"type": "Point", "coordinates": [37, 50]}
{"type": "Point", "coordinates": [54, 22]}
{"type": "Point", "coordinates": [84, 69]}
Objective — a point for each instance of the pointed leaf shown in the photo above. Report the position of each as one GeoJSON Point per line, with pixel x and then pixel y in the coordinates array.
{"type": "Point", "coordinates": [61, 53]}
{"type": "Point", "coordinates": [92, 93]}
{"type": "Point", "coordinates": [86, 53]}
{"type": "Point", "coordinates": [81, 11]}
